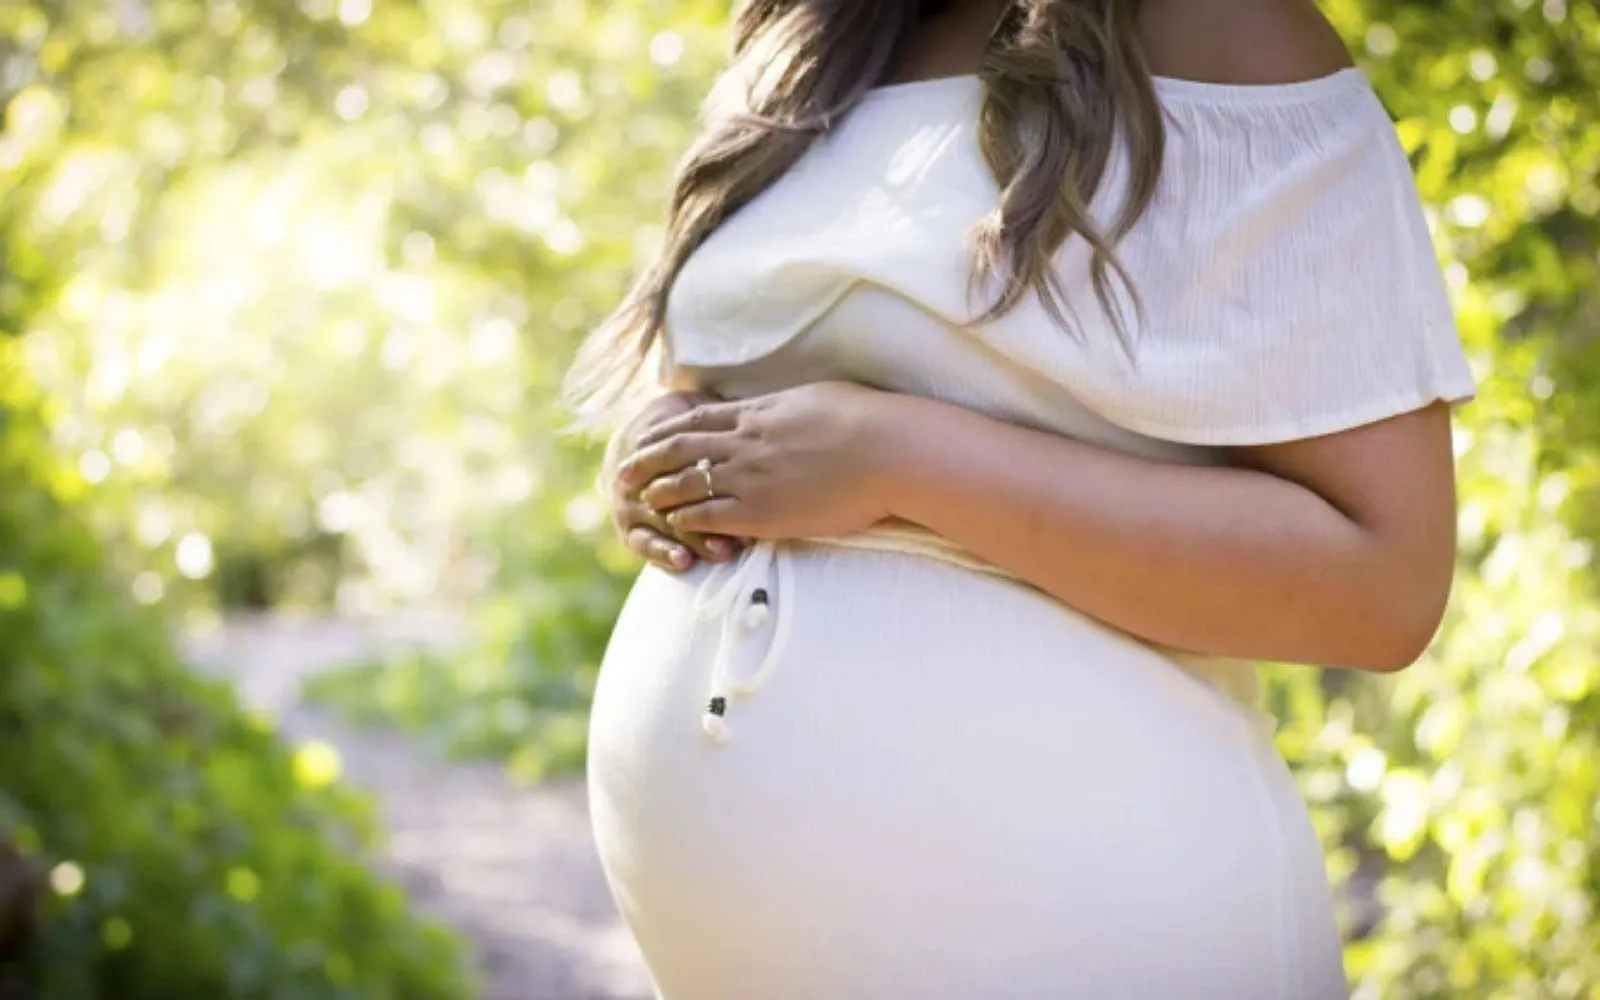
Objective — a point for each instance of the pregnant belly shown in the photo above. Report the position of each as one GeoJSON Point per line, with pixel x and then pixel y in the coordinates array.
{"type": "Point", "coordinates": [946, 775]}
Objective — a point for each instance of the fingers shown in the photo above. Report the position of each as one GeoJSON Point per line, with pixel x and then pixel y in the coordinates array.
{"type": "Point", "coordinates": [658, 549]}
{"type": "Point", "coordinates": [677, 553]}
{"type": "Point", "coordinates": [714, 548]}
{"type": "Point", "coordinates": [648, 536]}
{"type": "Point", "coordinates": [721, 516]}
{"type": "Point", "coordinates": [712, 417]}
{"type": "Point", "coordinates": [669, 455]}
{"type": "Point", "coordinates": [687, 486]}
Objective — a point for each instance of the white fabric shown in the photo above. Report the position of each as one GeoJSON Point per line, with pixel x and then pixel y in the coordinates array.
{"type": "Point", "coordinates": [950, 787]}
{"type": "Point", "coordinates": [1288, 282]}
{"type": "Point", "coordinates": [940, 782]}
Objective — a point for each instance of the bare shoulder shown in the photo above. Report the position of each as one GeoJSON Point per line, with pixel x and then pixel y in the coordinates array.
{"type": "Point", "coordinates": [1240, 41]}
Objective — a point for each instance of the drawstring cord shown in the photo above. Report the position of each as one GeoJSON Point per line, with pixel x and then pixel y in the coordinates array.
{"type": "Point", "coordinates": [738, 587]}
{"type": "Point", "coordinates": [736, 592]}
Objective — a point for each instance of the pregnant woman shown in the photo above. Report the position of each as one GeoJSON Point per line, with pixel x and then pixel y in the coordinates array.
{"type": "Point", "coordinates": [1018, 374]}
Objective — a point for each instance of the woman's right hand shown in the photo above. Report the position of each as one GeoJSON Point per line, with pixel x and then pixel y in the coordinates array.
{"type": "Point", "coordinates": [644, 531]}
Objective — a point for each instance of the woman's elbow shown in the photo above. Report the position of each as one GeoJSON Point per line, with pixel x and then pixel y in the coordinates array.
{"type": "Point", "coordinates": [1405, 622]}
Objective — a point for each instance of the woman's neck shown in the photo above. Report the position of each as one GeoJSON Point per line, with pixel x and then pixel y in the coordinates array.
{"type": "Point", "coordinates": [952, 40]}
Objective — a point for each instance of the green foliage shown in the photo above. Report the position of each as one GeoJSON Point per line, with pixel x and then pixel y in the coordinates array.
{"type": "Point", "coordinates": [179, 849]}
{"type": "Point", "coordinates": [302, 277]}
{"type": "Point", "coordinates": [184, 851]}
{"type": "Point", "coordinates": [386, 226]}
{"type": "Point", "coordinates": [327, 262]}
{"type": "Point", "coordinates": [521, 691]}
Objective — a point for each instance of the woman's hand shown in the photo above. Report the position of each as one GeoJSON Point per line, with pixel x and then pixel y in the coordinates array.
{"type": "Point", "coordinates": [642, 528]}
{"type": "Point", "coordinates": [808, 462]}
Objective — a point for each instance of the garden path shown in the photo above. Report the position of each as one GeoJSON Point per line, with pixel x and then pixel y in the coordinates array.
{"type": "Point", "coordinates": [512, 868]}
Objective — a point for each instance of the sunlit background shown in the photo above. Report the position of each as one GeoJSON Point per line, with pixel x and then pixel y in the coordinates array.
{"type": "Point", "coordinates": [285, 290]}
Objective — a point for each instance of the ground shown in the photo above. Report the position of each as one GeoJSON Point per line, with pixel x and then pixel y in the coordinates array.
{"type": "Point", "coordinates": [512, 868]}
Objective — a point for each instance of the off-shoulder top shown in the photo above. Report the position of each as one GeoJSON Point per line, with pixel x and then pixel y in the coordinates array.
{"type": "Point", "coordinates": [1286, 282]}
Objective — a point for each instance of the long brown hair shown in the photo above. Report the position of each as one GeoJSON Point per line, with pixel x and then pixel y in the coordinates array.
{"type": "Point", "coordinates": [1063, 81]}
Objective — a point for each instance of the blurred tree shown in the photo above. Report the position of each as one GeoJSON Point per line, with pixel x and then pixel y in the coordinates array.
{"type": "Point", "coordinates": [298, 248]}
{"type": "Point", "coordinates": [179, 849]}
{"type": "Point", "coordinates": [302, 277]}
{"type": "Point", "coordinates": [155, 842]}
{"type": "Point", "coordinates": [143, 816]}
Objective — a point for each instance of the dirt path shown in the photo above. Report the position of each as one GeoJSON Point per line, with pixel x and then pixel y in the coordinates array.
{"type": "Point", "coordinates": [512, 868]}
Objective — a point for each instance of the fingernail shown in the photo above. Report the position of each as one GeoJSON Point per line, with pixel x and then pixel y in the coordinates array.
{"type": "Point", "coordinates": [680, 558]}
{"type": "Point", "coordinates": [719, 548]}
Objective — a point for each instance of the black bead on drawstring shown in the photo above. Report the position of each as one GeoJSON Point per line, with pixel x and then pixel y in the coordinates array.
{"type": "Point", "coordinates": [755, 614]}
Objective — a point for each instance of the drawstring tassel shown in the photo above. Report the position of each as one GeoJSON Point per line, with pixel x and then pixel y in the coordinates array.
{"type": "Point", "coordinates": [721, 594]}
{"type": "Point", "coordinates": [713, 722]}
{"type": "Point", "coordinates": [755, 613]}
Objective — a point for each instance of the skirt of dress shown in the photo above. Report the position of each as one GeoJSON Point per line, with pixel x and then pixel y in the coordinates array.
{"type": "Point", "coordinates": [950, 786]}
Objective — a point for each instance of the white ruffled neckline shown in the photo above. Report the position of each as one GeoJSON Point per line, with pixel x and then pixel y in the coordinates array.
{"type": "Point", "coordinates": [1177, 88]}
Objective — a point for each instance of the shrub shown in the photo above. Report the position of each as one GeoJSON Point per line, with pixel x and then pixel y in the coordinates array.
{"type": "Point", "coordinates": [177, 849]}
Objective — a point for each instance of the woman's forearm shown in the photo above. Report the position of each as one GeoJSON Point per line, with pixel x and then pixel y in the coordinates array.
{"type": "Point", "coordinates": [1215, 560]}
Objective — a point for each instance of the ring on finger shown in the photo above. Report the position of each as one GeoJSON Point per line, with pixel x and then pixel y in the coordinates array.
{"type": "Point", "coordinates": [704, 468]}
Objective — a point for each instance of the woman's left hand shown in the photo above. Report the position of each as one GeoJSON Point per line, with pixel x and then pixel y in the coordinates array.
{"type": "Point", "coordinates": [808, 462]}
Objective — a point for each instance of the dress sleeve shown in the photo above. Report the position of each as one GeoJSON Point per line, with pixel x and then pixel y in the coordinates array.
{"type": "Point", "coordinates": [1292, 287]}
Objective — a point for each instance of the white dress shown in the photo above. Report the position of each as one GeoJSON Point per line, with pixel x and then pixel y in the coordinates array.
{"type": "Point", "coordinates": [938, 782]}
